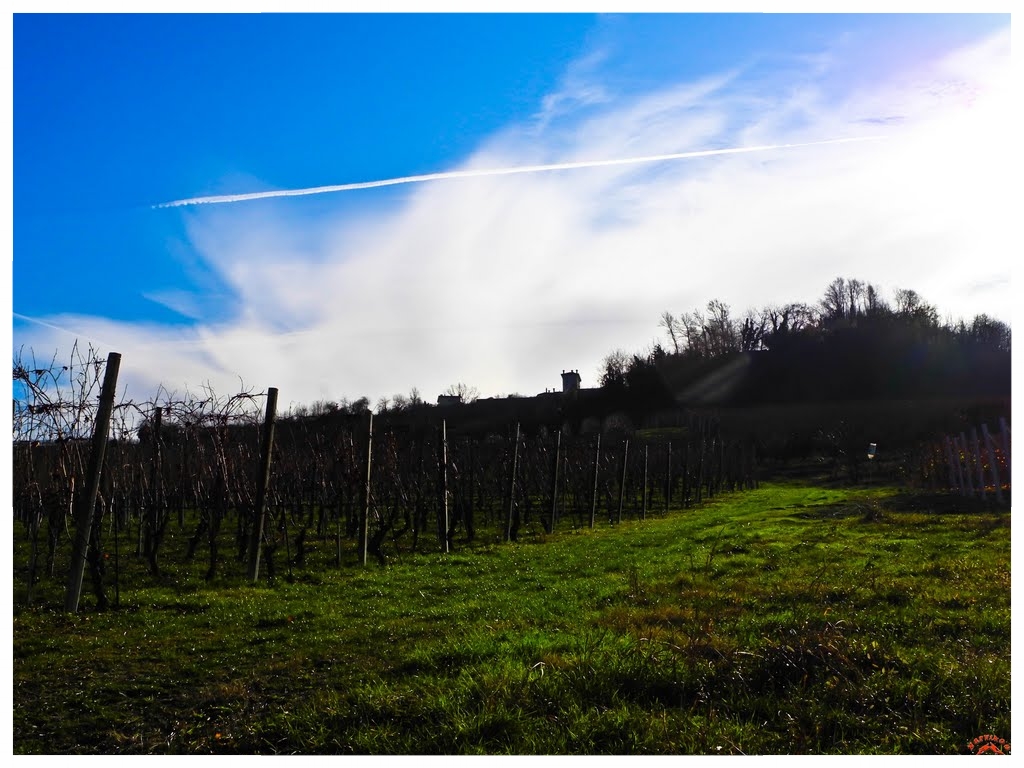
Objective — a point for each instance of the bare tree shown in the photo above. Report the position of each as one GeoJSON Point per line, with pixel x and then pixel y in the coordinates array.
{"type": "Point", "coordinates": [911, 306]}
{"type": "Point", "coordinates": [990, 331]}
{"type": "Point", "coordinates": [845, 300]}
{"type": "Point", "coordinates": [874, 304]}
{"type": "Point", "coordinates": [721, 332]}
{"type": "Point", "coordinates": [833, 303]}
{"type": "Point", "coordinates": [693, 325]}
{"type": "Point", "coordinates": [463, 391]}
{"type": "Point", "coordinates": [780, 322]}
{"type": "Point", "coordinates": [672, 327]}
{"type": "Point", "coordinates": [855, 294]}
{"type": "Point", "coordinates": [712, 335]}
{"type": "Point", "coordinates": [753, 331]}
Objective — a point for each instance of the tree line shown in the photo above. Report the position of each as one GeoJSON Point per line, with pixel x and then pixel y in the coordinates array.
{"type": "Point", "coordinates": [853, 344]}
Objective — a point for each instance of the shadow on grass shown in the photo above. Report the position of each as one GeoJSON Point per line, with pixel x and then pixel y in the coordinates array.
{"type": "Point", "coordinates": [947, 503]}
{"type": "Point", "coordinates": [911, 502]}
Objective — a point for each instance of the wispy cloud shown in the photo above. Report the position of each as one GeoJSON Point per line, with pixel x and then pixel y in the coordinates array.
{"type": "Point", "coordinates": [577, 89]}
{"type": "Point", "coordinates": [518, 272]}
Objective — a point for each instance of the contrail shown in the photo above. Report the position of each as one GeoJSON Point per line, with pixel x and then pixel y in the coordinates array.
{"type": "Point", "coordinates": [494, 172]}
{"type": "Point", "coordinates": [45, 324]}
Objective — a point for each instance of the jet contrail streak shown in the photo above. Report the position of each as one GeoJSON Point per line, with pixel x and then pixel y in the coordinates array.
{"type": "Point", "coordinates": [493, 172]}
{"type": "Point", "coordinates": [45, 324]}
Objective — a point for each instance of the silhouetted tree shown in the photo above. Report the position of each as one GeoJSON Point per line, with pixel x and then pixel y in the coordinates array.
{"type": "Point", "coordinates": [613, 370]}
{"type": "Point", "coordinates": [674, 330]}
{"type": "Point", "coordinates": [990, 332]}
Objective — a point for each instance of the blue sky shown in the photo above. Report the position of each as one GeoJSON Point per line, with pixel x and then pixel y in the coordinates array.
{"type": "Point", "coordinates": [500, 281]}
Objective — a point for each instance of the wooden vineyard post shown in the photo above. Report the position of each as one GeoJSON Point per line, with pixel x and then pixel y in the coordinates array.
{"type": "Point", "coordinates": [668, 477]}
{"type": "Point", "coordinates": [337, 540]}
{"type": "Point", "coordinates": [155, 511]}
{"type": "Point", "coordinates": [442, 466]}
{"type": "Point", "coordinates": [643, 514]}
{"type": "Point", "coordinates": [593, 493]}
{"type": "Point", "coordinates": [87, 505]}
{"type": "Point", "coordinates": [512, 487]}
{"type": "Point", "coordinates": [266, 450]}
{"type": "Point", "coordinates": [564, 491]}
{"type": "Point", "coordinates": [689, 472]}
{"type": "Point", "coordinates": [117, 561]}
{"type": "Point", "coordinates": [701, 450]}
{"type": "Point", "coordinates": [622, 485]}
{"type": "Point", "coordinates": [418, 514]}
{"type": "Point", "coordinates": [721, 472]}
{"type": "Point", "coordinates": [181, 483]}
{"type": "Point", "coordinates": [470, 508]}
{"type": "Point", "coordinates": [364, 528]}
{"type": "Point", "coordinates": [554, 480]}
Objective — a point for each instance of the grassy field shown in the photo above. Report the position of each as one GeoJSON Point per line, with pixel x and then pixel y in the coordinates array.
{"type": "Point", "coordinates": [796, 618]}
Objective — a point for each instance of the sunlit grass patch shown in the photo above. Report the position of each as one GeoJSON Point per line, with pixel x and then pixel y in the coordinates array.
{"type": "Point", "coordinates": [789, 619]}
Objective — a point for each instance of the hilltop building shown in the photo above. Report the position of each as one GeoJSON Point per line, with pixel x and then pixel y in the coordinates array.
{"type": "Point", "coordinates": [570, 382]}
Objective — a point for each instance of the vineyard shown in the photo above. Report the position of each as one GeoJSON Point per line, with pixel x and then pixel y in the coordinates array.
{"type": "Point", "coordinates": [260, 495]}
{"type": "Point", "coordinates": [978, 465]}
{"type": "Point", "coordinates": [234, 600]}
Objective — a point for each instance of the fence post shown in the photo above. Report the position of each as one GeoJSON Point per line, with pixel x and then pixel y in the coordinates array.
{"type": "Point", "coordinates": [364, 529]}
{"type": "Point", "coordinates": [155, 516]}
{"type": "Point", "coordinates": [554, 480]}
{"type": "Point", "coordinates": [470, 512]}
{"type": "Point", "coordinates": [87, 505]}
{"type": "Point", "coordinates": [593, 492]}
{"type": "Point", "coordinates": [643, 513]}
{"type": "Point", "coordinates": [181, 473]}
{"type": "Point", "coordinates": [701, 447]}
{"type": "Point", "coordinates": [255, 544]}
{"type": "Point", "coordinates": [512, 487]}
{"type": "Point", "coordinates": [668, 477]}
{"type": "Point", "coordinates": [622, 485]}
{"type": "Point", "coordinates": [442, 510]}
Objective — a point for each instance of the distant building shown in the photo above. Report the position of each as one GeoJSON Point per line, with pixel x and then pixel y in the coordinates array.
{"type": "Point", "coordinates": [570, 381]}
{"type": "Point", "coordinates": [449, 399]}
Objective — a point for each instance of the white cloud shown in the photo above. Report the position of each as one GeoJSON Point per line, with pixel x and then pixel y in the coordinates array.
{"type": "Point", "coordinates": [502, 282]}
{"type": "Point", "coordinates": [577, 88]}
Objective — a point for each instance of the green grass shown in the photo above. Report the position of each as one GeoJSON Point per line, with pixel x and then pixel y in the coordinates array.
{"type": "Point", "coordinates": [790, 619]}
